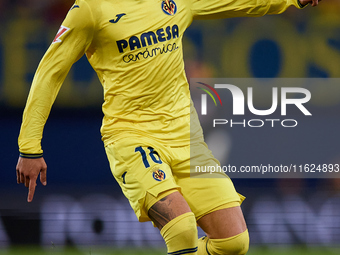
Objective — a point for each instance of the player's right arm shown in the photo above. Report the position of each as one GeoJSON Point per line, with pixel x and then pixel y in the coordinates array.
{"type": "Point", "coordinates": [73, 39]}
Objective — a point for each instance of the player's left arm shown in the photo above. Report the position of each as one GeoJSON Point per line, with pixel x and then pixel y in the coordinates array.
{"type": "Point", "coordinates": [217, 9]}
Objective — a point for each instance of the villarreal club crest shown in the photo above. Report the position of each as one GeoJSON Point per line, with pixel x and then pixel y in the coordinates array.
{"type": "Point", "coordinates": [158, 175]}
{"type": "Point", "coordinates": [169, 7]}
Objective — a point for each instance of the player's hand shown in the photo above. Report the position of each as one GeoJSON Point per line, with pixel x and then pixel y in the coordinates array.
{"type": "Point", "coordinates": [28, 171]}
{"type": "Point", "coordinates": [312, 2]}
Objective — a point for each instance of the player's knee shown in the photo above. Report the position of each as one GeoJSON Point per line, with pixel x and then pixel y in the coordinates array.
{"type": "Point", "coordinates": [236, 245]}
{"type": "Point", "coordinates": [180, 234]}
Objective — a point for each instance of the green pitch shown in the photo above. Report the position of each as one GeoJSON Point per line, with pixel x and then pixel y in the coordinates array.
{"type": "Point", "coordinates": [162, 251]}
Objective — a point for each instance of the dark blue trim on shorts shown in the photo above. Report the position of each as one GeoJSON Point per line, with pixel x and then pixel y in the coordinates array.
{"type": "Point", "coordinates": [184, 251]}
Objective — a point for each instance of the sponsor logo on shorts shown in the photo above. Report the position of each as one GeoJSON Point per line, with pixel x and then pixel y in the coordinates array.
{"type": "Point", "coordinates": [158, 175]}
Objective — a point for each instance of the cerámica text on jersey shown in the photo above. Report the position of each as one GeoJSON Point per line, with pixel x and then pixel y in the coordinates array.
{"type": "Point", "coordinates": [149, 54]}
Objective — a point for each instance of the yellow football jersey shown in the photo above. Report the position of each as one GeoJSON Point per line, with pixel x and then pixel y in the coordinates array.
{"type": "Point", "coordinates": [135, 47]}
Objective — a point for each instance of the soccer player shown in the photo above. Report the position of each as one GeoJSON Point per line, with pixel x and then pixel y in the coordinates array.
{"type": "Point", "coordinates": [150, 132]}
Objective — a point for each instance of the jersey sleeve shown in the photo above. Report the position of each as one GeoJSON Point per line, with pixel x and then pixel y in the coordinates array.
{"type": "Point", "coordinates": [217, 9]}
{"type": "Point", "coordinates": [71, 42]}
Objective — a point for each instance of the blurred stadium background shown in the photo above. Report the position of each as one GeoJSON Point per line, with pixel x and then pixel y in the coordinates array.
{"type": "Point", "coordinates": [82, 210]}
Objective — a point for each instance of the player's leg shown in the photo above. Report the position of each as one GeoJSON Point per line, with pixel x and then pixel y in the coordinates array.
{"type": "Point", "coordinates": [167, 208]}
{"type": "Point", "coordinates": [226, 232]}
{"type": "Point", "coordinates": [142, 169]}
{"type": "Point", "coordinates": [223, 223]}
{"type": "Point", "coordinates": [214, 201]}
{"type": "Point", "coordinates": [176, 222]}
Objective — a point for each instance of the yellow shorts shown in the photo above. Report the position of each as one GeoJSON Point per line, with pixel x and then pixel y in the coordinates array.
{"type": "Point", "coordinates": [141, 164]}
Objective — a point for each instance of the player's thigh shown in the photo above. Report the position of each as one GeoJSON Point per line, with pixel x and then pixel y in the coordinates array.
{"type": "Point", "coordinates": [203, 191]}
{"type": "Point", "coordinates": [223, 223]}
{"type": "Point", "coordinates": [139, 169]}
{"type": "Point", "coordinates": [206, 195]}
